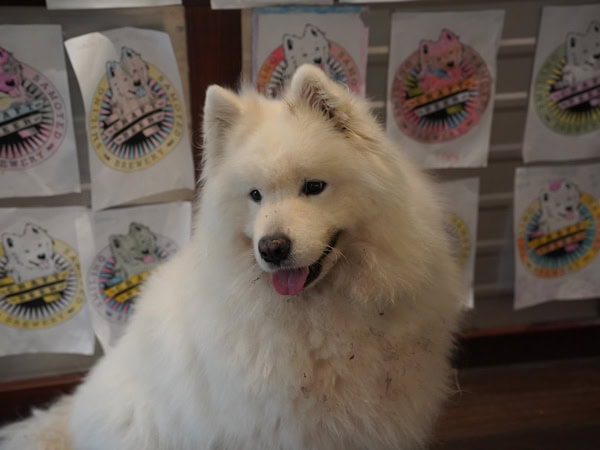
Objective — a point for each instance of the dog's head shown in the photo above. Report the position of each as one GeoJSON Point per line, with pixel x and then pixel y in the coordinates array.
{"type": "Point", "coordinates": [283, 169]}
{"type": "Point", "coordinates": [33, 249]}
{"type": "Point", "coordinates": [119, 81]}
{"type": "Point", "coordinates": [309, 188]}
{"type": "Point", "coordinates": [310, 48]}
{"type": "Point", "coordinates": [443, 54]}
{"type": "Point", "coordinates": [559, 199]}
{"type": "Point", "coordinates": [583, 49]}
{"type": "Point", "coordinates": [145, 240]}
{"type": "Point", "coordinates": [136, 68]}
{"type": "Point", "coordinates": [124, 247]}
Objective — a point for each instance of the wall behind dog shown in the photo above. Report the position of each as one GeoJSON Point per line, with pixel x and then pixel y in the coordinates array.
{"type": "Point", "coordinates": [494, 272]}
{"type": "Point", "coordinates": [74, 23]}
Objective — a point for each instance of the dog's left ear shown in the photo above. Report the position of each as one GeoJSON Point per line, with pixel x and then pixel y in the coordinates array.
{"type": "Point", "coordinates": [312, 88]}
{"type": "Point", "coordinates": [222, 109]}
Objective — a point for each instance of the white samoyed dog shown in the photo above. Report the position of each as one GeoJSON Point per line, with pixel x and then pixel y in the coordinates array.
{"type": "Point", "coordinates": [314, 308]}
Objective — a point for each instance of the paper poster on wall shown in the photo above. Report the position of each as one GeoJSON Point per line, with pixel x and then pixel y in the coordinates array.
{"type": "Point", "coordinates": [42, 300]}
{"type": "Point", "coordinates": [101, 4]}
{"type": "Point", "coordinates": [37, 142]}
{"type": "Point", "coordinates": [462, 200]}
{"type": "Point", "coordinates": [242, 4]}
{"type": "Point", "coordinates": [332, 38]}
{"type": "Point", "coordinates": [135, 116]}
{"type": "Point", "coordinates": [557, 222]}
{"type": "Point", "coordinates": [563, 120]}
{"type": "Point", "coordinates": [441, 85]}
{"type": "Point", "coordinates": [119, 249]}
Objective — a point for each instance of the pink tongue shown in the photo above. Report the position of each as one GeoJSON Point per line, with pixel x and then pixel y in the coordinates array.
{"type": "Point", "coordinates": [289, 282]}
{"type": "Point", "coordinates": [148, 259]}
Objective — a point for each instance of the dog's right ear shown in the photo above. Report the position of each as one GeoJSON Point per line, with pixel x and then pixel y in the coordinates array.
{"type": "Point", "coordinates": [222, 109]}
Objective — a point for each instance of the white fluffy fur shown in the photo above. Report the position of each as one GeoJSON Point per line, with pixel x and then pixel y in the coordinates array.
{"type": "Point", "coordinates": [216, 359]}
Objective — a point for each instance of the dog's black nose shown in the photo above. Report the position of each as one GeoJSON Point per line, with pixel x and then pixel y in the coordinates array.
{"type": "Point", "coordinates": [318, 60]}
{"type": "Point", "coordinates": [274, 248]}
{"type": "Point", "coordinates": [451, 64]}
{"type": "Point", "coordinates": [569, 208]}
{"type": "Point", "coordinates": [42, 256]}
{"type": "Point", "coordinates": [137, 83]}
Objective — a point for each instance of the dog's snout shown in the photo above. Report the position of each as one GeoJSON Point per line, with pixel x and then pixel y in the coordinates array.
{"type": "Point", "coordinates": [569, 208]}
{"type": "Point", "coordinates": [42, 256]}
{"type": "Point", "coordinates": [274, 248]}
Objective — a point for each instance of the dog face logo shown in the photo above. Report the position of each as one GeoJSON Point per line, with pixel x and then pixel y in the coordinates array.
{"type": "Point", "coordinates": [583, 55]}
{"type": "Point", "coordinates": [136, 117]}
{"type": "Point", "coordinates": [40, 281]}
{"type": "Point", "coordinates": [137, 68]}
{"type": "Point", "coordinates": [312, 47]}
{"type": "Point", "coordinates": [557, 234]}
{"type": "Point", "coordinates": [32, 115]}
{"type": "Point", "coordinates": [440, 61]}
{"type": "Point", "coordinates": [559, 206]}
{"type": "Point", "coordinates": [29, 255]}
{"type": "Point", "coordinates": [116, 275]}
{"type": "Point", "coordinates": [441, 91]}
{"type": "Point", "coordinates": [567, 88]}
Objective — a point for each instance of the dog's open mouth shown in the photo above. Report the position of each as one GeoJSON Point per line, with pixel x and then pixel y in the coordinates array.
{"type": "Point", "coordinates": [293, 281]}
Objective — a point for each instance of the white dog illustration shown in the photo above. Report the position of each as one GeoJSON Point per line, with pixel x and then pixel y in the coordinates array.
{"type": "Point", "coordinates": [133, 252]}
{"type": "Point", "coordinates": [559, 205]}
{"type": "Point", "coordinates": [310, 48]}
{"type": "Point", "coordinates": [129, 82]}
{"type": "Point", "coordinates": [583, 55]}
{"type": "Point", "coordinates": [124, 94]}
{"type": "Point", "coordinates": [30, 255]}
{"type": "Point", "coordinates": [137, 69]}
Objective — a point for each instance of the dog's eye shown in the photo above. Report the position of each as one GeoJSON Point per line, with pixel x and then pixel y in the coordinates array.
{"type": "Point", "coordinates": [313, 187]}
{"type": "Point", "coordinates": [255, 195]}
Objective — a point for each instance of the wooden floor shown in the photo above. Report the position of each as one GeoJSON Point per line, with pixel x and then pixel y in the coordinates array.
{"type": "Point", "coordinates": [547, 406]}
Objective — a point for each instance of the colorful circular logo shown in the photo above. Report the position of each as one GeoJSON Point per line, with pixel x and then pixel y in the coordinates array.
{"type": "Point", "coordinates": [118, 271]}
{"type": "Point", "coordinates": [136, 117]}
{"type": "Point", "coordinates": [40, 280]}
{"type": "Point", "coordinates": [312, 47]}
{"type": "Point", "coordinates": [441, 91]}
{"type": "Point", "coordinates": [558, 233]}
{"type": "Point", "coordinates": [32, 115]}
{"type": "Point", "coordinates": [460, 241]}
{"type": "Point", "coordinates": [567, 87]}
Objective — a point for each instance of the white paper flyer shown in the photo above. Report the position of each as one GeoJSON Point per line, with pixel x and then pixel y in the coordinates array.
{"type": "Point", "coordinates": [135, 116]}
{"type": "Point", "coordinates": [557, 237]}
{"type": "Point", "coordinates": [563, 119]}
{"type": "Point", "coordinates": [441, 85]}
{"type": "Point", "coordinates": [42, 299]}
{"type": "Point", "coordinates": [38, 155]}
{"type": "Point", "coordinates": [332, 38]}
{"type": "Point", "coordinates": [119, 249]}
